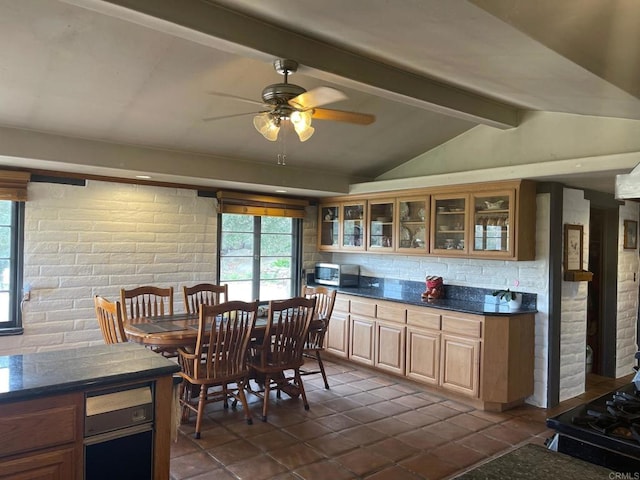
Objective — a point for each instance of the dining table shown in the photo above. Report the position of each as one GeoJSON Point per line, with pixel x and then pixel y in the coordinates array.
{"type": "Point", "coordinates": [180, 330]}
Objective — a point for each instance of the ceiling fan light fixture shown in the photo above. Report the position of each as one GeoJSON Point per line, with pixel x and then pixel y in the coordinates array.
{"type": "Point", "coordinates": [302, 124]}
{"type": "Point", "coordinates": [267, 125]}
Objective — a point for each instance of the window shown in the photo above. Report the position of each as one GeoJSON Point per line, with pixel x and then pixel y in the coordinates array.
{"type": "Point", "coordinates": [259, 256]}
{"type": "Point", "coordinates": [11, 261]}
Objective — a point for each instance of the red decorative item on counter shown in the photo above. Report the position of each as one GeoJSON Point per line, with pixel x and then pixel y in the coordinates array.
{"type": "Point", "coordinates": [435, 288]}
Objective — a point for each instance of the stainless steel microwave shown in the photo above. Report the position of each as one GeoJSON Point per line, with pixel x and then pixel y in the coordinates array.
{"type": "Point", "coordinates": [337, 274]}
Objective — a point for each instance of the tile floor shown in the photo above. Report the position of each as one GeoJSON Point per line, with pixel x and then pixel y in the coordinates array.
{"type": "Point", "coordinates": [367, 426]}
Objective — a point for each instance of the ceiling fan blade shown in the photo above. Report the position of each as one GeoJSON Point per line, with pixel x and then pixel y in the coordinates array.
{"type": "Point", "coordinates": [342, 116]}
{"type": "Point", "coordinates": [316, 97]}
{"type": "Point", "coordinates": [234, 97]}
{"type": "Point", "coordinates": [209, 119]}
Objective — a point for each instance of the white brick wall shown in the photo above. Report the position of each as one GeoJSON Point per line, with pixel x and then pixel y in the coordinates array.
{"type": "Point", "coordinates": [573, 328]}
{"type": "Point", "coordinates": [93, 240]}
{"type": "Point", "coordinates": [628, 269]}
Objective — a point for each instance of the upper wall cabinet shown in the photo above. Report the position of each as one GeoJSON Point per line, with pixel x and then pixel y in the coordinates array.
{"type": "Point", "coordinates": [490, 220]}
{"type": "Point", "coordinates": [413, 224]}
{"type": "Point", "coordinates": [381, 229]}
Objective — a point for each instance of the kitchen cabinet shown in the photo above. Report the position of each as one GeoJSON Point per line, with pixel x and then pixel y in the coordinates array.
{"type": "Point", "coordinates": [486, 359]}
{"type": "Point", "coordinates": [449, 224]}
{"type": "Point", "coordinates": [489, 220]}
{"type": "Point", "coordinates": [492, 217]}
{"type": "Point", "coordinates": [337, 340]}
{"type": "Point", "coordinates": [42, 438]}
{"type": "Point", "coordinates": [381, 236]}
{"type": "Point", "coordinates": [377, 334]}
{"type": "Point", "coordinates": [413, 225]}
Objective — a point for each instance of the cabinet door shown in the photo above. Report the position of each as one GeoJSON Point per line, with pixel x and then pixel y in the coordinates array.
{"type": "Point", "coordinates": [353, 226]}
{"type": "Point", "coordinates": [449, 224]}
{"type": "Point", "coordinates": [338, 334]}
{"type": "Point", "coordinates": [390, 347]}
{"type": "Point", "coordinates": [492, 219]}
{"type": "Point", "coordinates": [423, 355]}
{"type": "Point", "coordinates": [413, 225]}
{"type": "Point", "coordinates": [361, 338]}
{"type": "Point", "coordinates": [57, 464]}
{"type": "Point", "coordinates": [328, 227]}
{"type": "Point", "coordinates": [460, 361]}
{"type": "Point", "coordinates": [381, 231]}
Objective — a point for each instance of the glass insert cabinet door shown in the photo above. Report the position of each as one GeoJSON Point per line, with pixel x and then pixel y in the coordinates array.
{"type": "Point", "coordinates": [413, 219]}
{"type": "Point", "coordinates": [353, 226]}
{"type": "Point", "coordinates": [329, 221]}
{"type": "Point", "coordinates": [449, 224]}
{"type": "Point", "coordinates": [381, 225]}
{"type": "Point", "coordinates": [493, 222]}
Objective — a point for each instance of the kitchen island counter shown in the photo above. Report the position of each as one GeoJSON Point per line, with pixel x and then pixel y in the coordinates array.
{"type": "Point", "coordinates": [34, 375]}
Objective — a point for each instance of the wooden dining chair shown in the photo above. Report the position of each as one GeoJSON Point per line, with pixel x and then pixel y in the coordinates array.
{"type": "Point", "coordinates": [146, 301]}
{"type": "Point", "coordinates": [325, 298]}
{"type": "Point", "coordinates": [219, 359]}
{"type": "Point", "coordinates": [109, 318]}
{"type": "Point", "coordinates": [281, 348]}
{"type": "Point", "coordinates": [204, 294]}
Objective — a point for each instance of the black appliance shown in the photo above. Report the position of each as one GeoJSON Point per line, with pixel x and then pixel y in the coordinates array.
{"type": "Point", "coordinates": [118, 434]}
{"type": "Point", "coordinates": [605, 431]}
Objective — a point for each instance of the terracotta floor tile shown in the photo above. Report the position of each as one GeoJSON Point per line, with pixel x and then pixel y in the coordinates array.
{"type": "Point", "coordinates": [506, 434]}
{"type": "Point", "coordinates": [391, 426]}
{"type": "Point", "coordinates": [257, 468]}
{"type": "Point", "coordinates": [392, 449]}
{"type": "Point", "coordinates": [307, 430]}
{"type": "Point", "coordinates": [232, 452]}
{"type": "Point", "coordinates": [323, 471]}
{"type": "Point", "coordinates": [365, 414]}
{"type": "Point", "coordinates": [294, 456]}
{"type": "Point", "coordinates": [458, 454]}
{"type": "Point", "coordinates": [363, 435]}
{"type": "Point", "coordinates": [361, 461]}
{"type": "Point", "coordinates": [447, 430]}
{"type": "Point", "coordinates": [483, 444]}
{"type": "Point", "coordinates": [393, 473]}
{"type": "Point", "coordinates": [380, 426]}
{"type": "Point", "coordinates": [332, 444]}
{"type": "Point", "coordinates": [470, 422]}
{"type": "Point", "coordinates": [338, 422]}
{"type": "Point", "coordinates": [192, 464]}
{"type": "Point", "coordinates": [272, 440]}
{"type": "Point", "coordinates": [429, 466]}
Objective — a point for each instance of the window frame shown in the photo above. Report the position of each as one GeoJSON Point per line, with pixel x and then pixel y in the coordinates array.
{"type": "Point", "coordinates": [296, 254]}
{"type": "Point", "coordinates": [14, 326]}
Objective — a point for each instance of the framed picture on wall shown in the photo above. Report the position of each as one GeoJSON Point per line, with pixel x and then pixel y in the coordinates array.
{"type": "Point", "coordinates": [630, 234]}
{"type": "Point", "coordinates": [572, 247]}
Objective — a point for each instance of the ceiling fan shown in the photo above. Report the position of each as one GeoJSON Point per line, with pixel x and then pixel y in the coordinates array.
{"type": "Point", "coordinates": [286, 102]}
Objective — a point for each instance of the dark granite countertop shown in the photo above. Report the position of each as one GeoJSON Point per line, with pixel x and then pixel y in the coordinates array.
{"type": "Point", "coordinates": [60, 371]}
{"type": "Point", "coordinates": [459, 299]}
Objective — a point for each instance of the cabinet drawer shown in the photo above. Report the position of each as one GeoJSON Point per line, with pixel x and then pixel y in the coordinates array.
{"type": "Point", "coordinates": [421, 317]}
{"type": "Point", "coordinates": [462, 326]}
{"type": "Point", "coordinates": [362, 307]}
{"type": "Point", "coordinates": [42, 423]}
{"type": "Point", "coordinates": [392, 312]}
{"type": "Point", "coordinates": [341, 304]}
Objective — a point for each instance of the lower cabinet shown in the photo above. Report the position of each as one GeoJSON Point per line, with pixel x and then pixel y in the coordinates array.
{"type": "Point", "coordinates": [460, 364]}
{"type": "Point", "coordinates": [337, 339]}
{"type": "Point", "coordinates": [423, 355]}
{"type": "Point", "coordinates": [489, 359]}
{"type": "Point", "coordinates": [42, 438]}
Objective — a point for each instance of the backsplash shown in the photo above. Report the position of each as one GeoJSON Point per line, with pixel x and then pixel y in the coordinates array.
{"type": "Point", "coordinates": [397, 288]}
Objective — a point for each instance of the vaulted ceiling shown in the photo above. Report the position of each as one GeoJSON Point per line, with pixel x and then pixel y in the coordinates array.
{"type": "Point", "coordinates": [122, 87]}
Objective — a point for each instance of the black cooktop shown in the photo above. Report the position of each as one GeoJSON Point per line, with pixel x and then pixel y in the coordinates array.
{"type": "Point", "coordinates": [608, 424]}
